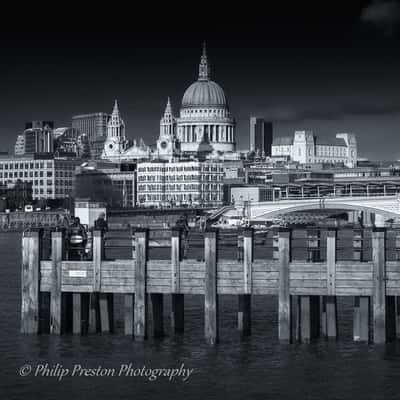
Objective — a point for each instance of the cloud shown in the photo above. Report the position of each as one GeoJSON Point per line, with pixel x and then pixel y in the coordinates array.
{"type": "Point", "coordinates": [292, 113]}
{"type": "Point", "coordinates": [383, 14]}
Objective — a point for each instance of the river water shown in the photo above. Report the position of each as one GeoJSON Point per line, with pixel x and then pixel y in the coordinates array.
{"type": "Point", "coordinates": [257, 367]}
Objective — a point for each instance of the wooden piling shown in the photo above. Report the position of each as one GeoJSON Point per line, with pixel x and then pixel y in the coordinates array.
{"type": "Point", "coordinates": [284, 318]}
{"type": "Point", "coordinates": [304, 311]}
{"type": "Point", "coordinates": [140, 308]}
{"type": "Point", "coordinates": [330, 301]}
{"type": "Point", "coordinates": [129, 300]}
{"type": "Point", "coordinates": [177, 299]}
{"type": "Point", "coordinates": [210, 290]}
{"type": "Point", "coordinates": [398, 317]}
{"type": "Point", "coordinates": [30, 282]}
{"type": "Point", "coordinates": [331, 317]}
{"type": "Point", "coordinates": [390, 318]}
{"type": "Point", "coordinates": [361, 319]}
{"type": "Point", "coordinates": [379, 285]}
{"type": "Point", "coordinates": [106, 303]}
{"type": "Point", "coordinates": [77, 313]}
{"type": "Point", "coordinates": [55, 292]}
{"type": "Point", "coordinates": [157, 305]}
{"type": "Point", "coordinates": [244, 311]}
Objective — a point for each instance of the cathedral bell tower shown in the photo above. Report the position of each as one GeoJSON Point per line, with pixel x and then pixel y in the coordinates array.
{"type": "Point", "coordinates": [167, 144]}
{"type": "Point", "coordinates": [116, 142]}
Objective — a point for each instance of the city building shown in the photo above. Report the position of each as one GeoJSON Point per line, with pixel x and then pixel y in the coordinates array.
{"type": "Point", "coordinates": [306, 148]}
{"type": "Point", "coordinates": [70, 142]}
{"type": "Point", "coordinates": [185, 183]}
{"type": "Point", "coordinates": [111, 183]}
{"type": "Point", "coordinates": [95, 127]}
{"type": "Point", "coordinates": [260, 136]}
{"type": "Point", "coordinates": [249, 193]}
{"type": "Point", "coordinates": [51, 177]}
{"type": "Point", "coordinates": [36, 138]}
{"type": "Point", "coordinates": [205, 115]}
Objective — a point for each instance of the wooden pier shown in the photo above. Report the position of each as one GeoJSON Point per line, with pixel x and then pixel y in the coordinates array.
{"type": "Point", "coordinates": [307, 279]}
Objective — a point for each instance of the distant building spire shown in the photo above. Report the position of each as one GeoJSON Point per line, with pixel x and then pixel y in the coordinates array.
{"type": "Point", "coordinates": [204, 69]}
{"type": "Point", "coordinates": [168, 108]}
{"type": "Point", "coordinates": [167, 123]}
{"type": "Point", "coordinates": [115, 110]}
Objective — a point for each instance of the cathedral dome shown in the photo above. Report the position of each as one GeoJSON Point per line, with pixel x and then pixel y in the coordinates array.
{"type": "Point", "coordinates": [204, 93]}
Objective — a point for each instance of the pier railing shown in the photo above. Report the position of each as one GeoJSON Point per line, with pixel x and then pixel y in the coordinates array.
{"type": "Point", "coordinates": [82, 291]}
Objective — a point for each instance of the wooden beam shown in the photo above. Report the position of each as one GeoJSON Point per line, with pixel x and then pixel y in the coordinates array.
{"type": "Point", "coordinates": [284, 318]}
{"type": "Point", "coordinates": [140, 310]}
{"type": "Point", "coordinates": [379, 289]}
{"type": "Point", "coordinates": [210, 290]}
{"type": "Point", "coordinates": [30, 282]}
{"type": "Point", "coordinates": [55, 292]}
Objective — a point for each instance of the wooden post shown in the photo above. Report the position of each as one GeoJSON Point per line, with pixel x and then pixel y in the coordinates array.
{"type": "Point", "coordinates": [361, 319]}
{"type": "Point", "coordinates": [379, 289]}
{"type": "Point", "coordinates": [157, 305]}
{"type": "Point", "coordinates": [390, 318]}
{"type": "Point", "coordinates": [129, 301]}
{"type": "Point", "coordinates": [97, 245]}
{"type": "Point", "coordinates": [94, 313]}
{"type": "Point", "coordinates": [77, 313]}
{"type": "Point", "coordinates": [331, 317]}
{"type": "Point", "coordinates": [308, 318]}
{"type": "Point", "coordinates": [323, 317]}
{"type": "Point", "coordinates": [55, 292]}
{"type": "Point", "coordinates": [30, 284]}
{"type": "Point", "coordinates": [85, 304]}
{"type": "Point", "coordinates": [330, 301]}
{"type": "Point", "coordinates": [284, 286]}
{"type": "Point", "coordinates": [364, 318]}
{"type": "Point", "coordinates": [356, 319]}
{"type": "Point", "coordinates": [177, 299]}
{"type": "Point", "coordinates": [398, 317]}
{"type": "Point", "coordinates": [140, 309]}
{"type": "Point", "coordinates": [210, 291]}
{"type": "Point", "coordinates": [106, 305]}
{"type": "Point", "coordinates": [304, 319]}
{"type": "Point", "coordinates": [244, 312]}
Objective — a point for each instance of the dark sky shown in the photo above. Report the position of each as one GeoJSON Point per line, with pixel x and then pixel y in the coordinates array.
{"type": "Point", "coordinates": [327, 69]}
